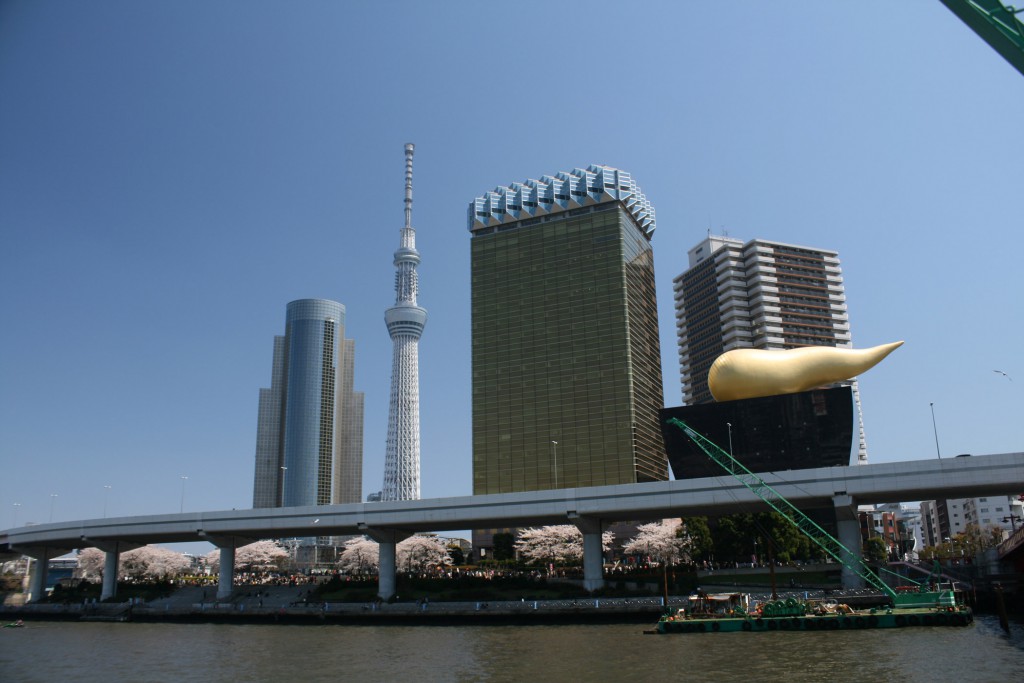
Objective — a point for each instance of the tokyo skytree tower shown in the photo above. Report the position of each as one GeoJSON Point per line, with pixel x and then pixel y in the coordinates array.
{"type": "Point", "coordinates": [405, 321]}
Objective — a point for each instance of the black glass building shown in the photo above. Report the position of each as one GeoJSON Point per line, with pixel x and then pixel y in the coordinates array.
{"type": "Point", "coordinates": [769, 434]}
{"type": "Point", "coordinates": [567, 383]}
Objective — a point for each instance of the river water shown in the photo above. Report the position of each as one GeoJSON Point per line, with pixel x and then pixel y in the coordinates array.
{"type": "Point", "coordinates": [165, 653]}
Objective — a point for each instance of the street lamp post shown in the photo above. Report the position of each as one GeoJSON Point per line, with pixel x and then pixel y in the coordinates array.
{"type": "Point", "coordinates": [16, 508]}
{"type": "Point", "coordinates": [183, 480]}
{"type": "Point", "coordinates": [106, 497]}
{"type": "Point", "coordinates": [284, 471]}
{"type": "Point", "coordinates": [554, 450]}
{"type": "Point", "coordinates": [729, 425]}
{"type": "Point", "coordinates": [936, 430]}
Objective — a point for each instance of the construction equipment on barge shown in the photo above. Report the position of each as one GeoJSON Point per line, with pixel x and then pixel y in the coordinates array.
{"type": "Point", "coordinates": [923, 606]}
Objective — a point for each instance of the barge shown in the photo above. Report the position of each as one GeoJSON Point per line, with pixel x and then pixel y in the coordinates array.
{"type": "Point", "coordinates": [926, 605]}
{"type": "Point", "coordinates": [731, 612]}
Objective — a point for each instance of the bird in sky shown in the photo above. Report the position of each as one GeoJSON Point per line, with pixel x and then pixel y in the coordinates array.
{"type": "Point", "coordinates": [1003, 374]}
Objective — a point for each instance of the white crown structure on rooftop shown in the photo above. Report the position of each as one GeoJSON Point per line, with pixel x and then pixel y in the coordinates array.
{"type": "Point", "coordinates": [563, 191]}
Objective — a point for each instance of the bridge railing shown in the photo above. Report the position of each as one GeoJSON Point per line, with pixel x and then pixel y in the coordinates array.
{"type": "Point", "coordinates": [1012, 543]}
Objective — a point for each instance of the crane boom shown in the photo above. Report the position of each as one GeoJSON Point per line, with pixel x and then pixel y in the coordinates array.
{"type": "Point", "coordinates": [846, 557]}
{"type": "Point", "coordinates": [805, 524]}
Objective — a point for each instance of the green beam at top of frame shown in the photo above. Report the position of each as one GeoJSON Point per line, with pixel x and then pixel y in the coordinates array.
{"type": "Point", "coordinates": [996, 23]}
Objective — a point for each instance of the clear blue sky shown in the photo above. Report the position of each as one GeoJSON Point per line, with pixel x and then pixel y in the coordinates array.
{"type": "Point", "coordinates": [172, 174]}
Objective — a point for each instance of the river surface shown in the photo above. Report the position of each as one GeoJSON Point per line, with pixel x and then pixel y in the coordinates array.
{"type": "Point", "coordinates": [166, 653]}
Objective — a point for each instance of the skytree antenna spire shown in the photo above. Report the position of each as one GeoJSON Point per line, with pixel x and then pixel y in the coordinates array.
{"type": "Point", "coordinates": [409, 149]}
{"type": "Point", "coordinates": [405, 321]}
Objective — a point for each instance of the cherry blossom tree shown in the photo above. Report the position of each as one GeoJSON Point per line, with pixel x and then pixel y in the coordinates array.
{"type": "Point", "coordinates": [212, 560]}
{"type": "Point", "coordinates": [420, 553]}
{"type": "Point", "coordinates": [152, 562]}
{"type": "Point", "coordinates": [91, 562]}
{"type": "Point", "coordinates": [360, 556]}
{"type": "Point", "coordinates": [664, 541]}
{"type": "Point", "coordinates": [560, 543]}
{"type": "Point", "coordinates": [261, 555]}
{"type": "Point", "coordinates": [414, 554]}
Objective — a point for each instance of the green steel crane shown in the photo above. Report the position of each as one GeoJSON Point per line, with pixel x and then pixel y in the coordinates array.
{"type": "Point", "coordinates": [810, 529]}
{"type": "Point", "coordinates": [996, 23]}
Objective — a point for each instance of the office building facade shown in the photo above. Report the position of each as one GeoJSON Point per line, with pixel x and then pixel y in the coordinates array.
{"type": "Point", "coordinates": [567, 380]}
{"type": "Point", "coordinates": [762, 295]}
{"type": "Point", "coordinates": [309, 435]}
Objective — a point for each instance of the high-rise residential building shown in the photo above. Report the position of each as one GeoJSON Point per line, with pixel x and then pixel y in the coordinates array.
{"type": "Point", "coordinates": [309, 435]}
{"type": "Point", "coordinates": [567, 378]}
{"type": "Point", "coordinates": [405, 321]}
{"type": "Point", "coordinates": [762, 295]}
{"type": "Point", "coordinates": [950, 513]}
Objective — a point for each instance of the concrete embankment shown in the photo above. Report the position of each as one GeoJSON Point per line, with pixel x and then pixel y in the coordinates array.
{"type": "Point", "coordinates": [298, 605]}
{"type": "Point", "coordinates": [637, 610]}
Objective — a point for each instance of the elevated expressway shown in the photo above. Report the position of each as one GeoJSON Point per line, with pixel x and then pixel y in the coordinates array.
{"type": "Point", "coordinates": [591, 509]}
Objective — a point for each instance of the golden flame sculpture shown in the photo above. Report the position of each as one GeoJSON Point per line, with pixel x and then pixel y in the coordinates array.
{"type": "Point", "coordinates": [750, 373]}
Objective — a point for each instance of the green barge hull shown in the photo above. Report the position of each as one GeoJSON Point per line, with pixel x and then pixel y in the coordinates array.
{"type": "Point", "coordinates": [901, 618]}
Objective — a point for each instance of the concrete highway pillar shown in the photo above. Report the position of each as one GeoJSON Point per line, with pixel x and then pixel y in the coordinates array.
{"type": "Point", "coordinates": [593, 555]}
{"type": "Point", "coordinates": [226, 575]}
{"type": "Point", "coordinates": [110, 574]}
{"type": "Point", "coordinates": [111, 558]}
{"type": "Point", "coordinates": [388, 539]}
{"type": "Point", "coordinates": [848, 533]}
{"type": "Point", "coordinates": [226, 578]}
{"type": "Point", "coordinates": [386, 576]}
{"type": "Point", "coordinates": [40, 566]}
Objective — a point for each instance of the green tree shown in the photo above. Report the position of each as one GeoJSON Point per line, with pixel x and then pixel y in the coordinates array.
{"type": "Point", "coordinates": [504, 547]}
{"type": "Point", "coordinates": [455, 552]}
{"type": "Point", "coordinates": [875, 550]}
{"type": "Point", "coordinates": [974, 540]}
{"type": "Point", "coordinates": [702, 544]}
{"type": "Point", "coordinates": [736, 537]}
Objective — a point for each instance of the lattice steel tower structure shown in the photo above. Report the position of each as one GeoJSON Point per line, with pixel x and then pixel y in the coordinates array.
{"type": "Point", "coordinates": [405, 321]}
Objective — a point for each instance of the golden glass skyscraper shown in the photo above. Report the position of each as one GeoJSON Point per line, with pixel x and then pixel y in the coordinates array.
{"type": "Point", "coordinates": [567, 378]}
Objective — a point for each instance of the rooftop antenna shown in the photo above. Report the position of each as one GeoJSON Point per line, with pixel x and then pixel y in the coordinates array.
{"type": "Point", "coordinates": [409, 149]}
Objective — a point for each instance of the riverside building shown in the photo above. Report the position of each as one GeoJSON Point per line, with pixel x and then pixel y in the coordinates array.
{"type": "Point", "coordinates": [309, 435]}
{"type": "Point", "coordinates": [567, 380]}
{"type": "Point", "coordinates": [763, 295]}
